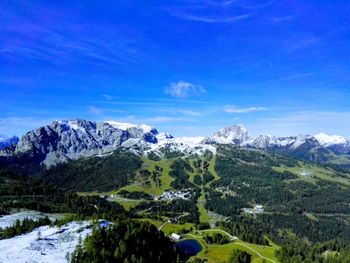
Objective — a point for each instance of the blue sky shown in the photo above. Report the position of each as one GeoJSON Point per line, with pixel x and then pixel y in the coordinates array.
{"type": "Point", "coordinates": [187, 67]}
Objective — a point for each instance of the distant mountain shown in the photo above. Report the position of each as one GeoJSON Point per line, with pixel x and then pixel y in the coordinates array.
{"type": "Point", "coordinates": [322, 148]}
{"type": "Point", "coordinates": [6, 141]}
{"type": "Point", "coordinates": [66, 140]}
{"type": "Point", "coordinates": [335, 143]}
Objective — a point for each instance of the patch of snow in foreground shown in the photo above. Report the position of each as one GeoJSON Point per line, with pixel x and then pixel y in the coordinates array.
{"type": "Point", "coordinates": [9, 220]}
{"type": "Point", "coordinates": [53, 245]}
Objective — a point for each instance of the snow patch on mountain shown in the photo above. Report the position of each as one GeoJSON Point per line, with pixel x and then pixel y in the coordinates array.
{"type": "Point", "coordinates": [186, 145]}
{"type": "Point", "coordinates": [329, 140]}
{"type": "Point", "coordinates": [124, 126]}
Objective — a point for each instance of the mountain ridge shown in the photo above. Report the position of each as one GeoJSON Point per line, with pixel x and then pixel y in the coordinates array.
{"type": "Point", "coordinates": [64, 140]}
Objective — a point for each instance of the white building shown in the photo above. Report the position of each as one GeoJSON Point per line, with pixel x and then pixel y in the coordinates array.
{"type": "Point", "coordinates": [305, 173]}
{"type": "Point", "coordinates": [175, 237]}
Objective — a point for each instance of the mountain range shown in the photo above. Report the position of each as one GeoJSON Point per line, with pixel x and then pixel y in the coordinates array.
{"type": "Point", "coordinates": [65, 140]}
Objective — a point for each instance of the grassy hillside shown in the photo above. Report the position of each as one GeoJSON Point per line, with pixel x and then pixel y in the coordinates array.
{"type": "Point", "coordinates": [146, 183]}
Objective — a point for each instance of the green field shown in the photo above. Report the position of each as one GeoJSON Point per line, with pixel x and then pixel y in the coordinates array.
{"type": "Point", "coordinates": [211, 168]}
{"type": "Point", "coordinates": [317, 172]}
{"type": "Point", "coordinates": [221, 253]}
{"type": "Point", "coordinates": [129, 204]}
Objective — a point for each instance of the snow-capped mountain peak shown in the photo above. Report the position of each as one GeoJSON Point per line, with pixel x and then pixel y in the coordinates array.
{"type": "Point", "coordinates": [328, 140]}
{"type": "Point", "coordinates": [236, 134]}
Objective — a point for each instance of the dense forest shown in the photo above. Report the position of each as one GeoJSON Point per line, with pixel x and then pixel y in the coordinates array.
{"type": "Point", "coordinates": [96, 173]}
{"type": "Point", "coordinates": [21, 191]}
{"type": "Point", "coordinates": [179, 171]}
{"type": "Point", "coordinates": [127, 241]}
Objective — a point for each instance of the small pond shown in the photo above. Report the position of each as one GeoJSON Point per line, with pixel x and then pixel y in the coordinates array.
{"type": "Point", "coordinates": [190, 247]}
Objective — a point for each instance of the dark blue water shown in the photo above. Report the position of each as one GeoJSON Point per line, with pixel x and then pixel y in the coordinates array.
{"type": "Point", "coordinates": [190, 247]}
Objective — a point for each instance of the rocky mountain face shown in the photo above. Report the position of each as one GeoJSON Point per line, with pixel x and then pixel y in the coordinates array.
{"type": "Point", "coordinates": [236, 134]}
{"type": "Point", "coordinates": [69, 140]}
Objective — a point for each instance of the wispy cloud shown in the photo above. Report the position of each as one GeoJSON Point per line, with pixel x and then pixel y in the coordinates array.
{"type": "Point", "coordinates": [161, 119]}
{"type": "Point", "coordinates": [154, 119]}
{"type": "Point", "coordinates": [211, 19]}
{"type": "Point", "coordinates": [182, 111]}
{"type": "Point", "coordinates": [107, 97]}
{"type": "Point", "coordinates": [264, 4]}
{"type": "Point", "coordinates": [218, 3]}
{"type": "Point", "coordinates": [189, 112]}
{"type": "Point", "coordinates": [235, 109]}
{"type": "Point", "coordinates": [61, 38]}
{"type": "Point", "coordinates": [304, 122]}
{"type": "Point", "coordinates": [280, 19]}
{"type": "Point", "coordinates": [95, 111]}
{"type": "Point", "coordinates": [183, 89]}
{"type": "Point", "coordinates": [300, 43]}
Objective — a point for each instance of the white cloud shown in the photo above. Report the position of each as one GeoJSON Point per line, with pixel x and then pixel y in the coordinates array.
{"type": "Point", "coordinates": [235, 109]}
{"type": "Point", "coordinates": [183, 89]}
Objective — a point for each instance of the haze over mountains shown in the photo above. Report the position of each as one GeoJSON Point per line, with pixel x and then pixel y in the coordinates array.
{"type": "Point", "coordinates": [69, 140]}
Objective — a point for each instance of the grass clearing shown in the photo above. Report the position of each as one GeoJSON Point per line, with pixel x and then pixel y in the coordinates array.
{"type": "Point", "coordinates": [317, 172]}
{"type": "Point", "coordinates": [311, 217]}
{"type": "Point", "coordinates": [152, 188]}
{"type": "Point", "coordinates": [129, 204]}
{"type": "Point", "coordinates": [168, 228]}
{"type": "Point", "coordinates": [221, 253]}
{"type": "Point", "coordinates": [211, 168]}
{"type": "Point", "coordinates": [154, 222]}
{"type": "Point", "coordinates": [204, 216]}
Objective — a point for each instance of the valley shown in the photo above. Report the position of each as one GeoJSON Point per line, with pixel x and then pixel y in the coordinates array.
{"type": "Point", "coordinates": [262, 203]}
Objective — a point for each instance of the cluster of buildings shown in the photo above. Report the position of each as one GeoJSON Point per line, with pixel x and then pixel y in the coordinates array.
{"type": "Point", "coordinates": [171, 195]}
{"type": "Point", "coordinates": [258, 209]}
